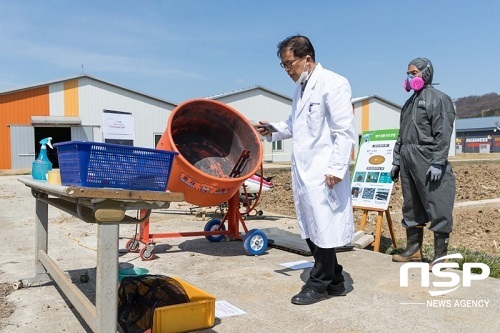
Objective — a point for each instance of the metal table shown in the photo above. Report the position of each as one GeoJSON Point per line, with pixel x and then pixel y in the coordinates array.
{"type": "Point", "coordinates": [106, 207]}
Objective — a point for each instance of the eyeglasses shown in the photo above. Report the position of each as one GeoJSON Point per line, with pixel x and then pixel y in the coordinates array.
{"type": "Point", "coordinates": [290, 63]}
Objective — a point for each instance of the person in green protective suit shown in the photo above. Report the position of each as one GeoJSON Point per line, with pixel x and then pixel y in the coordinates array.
{"type": "Point", "coordinates": [421, 158]}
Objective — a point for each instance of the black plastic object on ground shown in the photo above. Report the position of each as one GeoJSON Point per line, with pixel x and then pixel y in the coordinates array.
{"type": "Point", "coordinates": [139, 296]}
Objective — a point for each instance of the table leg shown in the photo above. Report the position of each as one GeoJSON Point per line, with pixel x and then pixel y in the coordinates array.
{"type": "Point", "coordinates": [41, 242]}
{"type": "Point", "coordinates": [107, 277]}
{"type": "Point", "coordinates": [41, 232]}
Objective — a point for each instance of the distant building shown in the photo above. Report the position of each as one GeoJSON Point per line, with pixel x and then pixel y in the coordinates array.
{"type": "Point", "coordinates": [478, 135]}
{"type": "Point", "coordinates": [74, 109]}
{"type": "Point", "coordinates": [259, 103]}
{"type": "Point", "coordinates": [374, 113]}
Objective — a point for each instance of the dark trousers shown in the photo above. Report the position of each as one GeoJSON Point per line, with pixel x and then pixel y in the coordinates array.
{"type": "Point", "coordinates": [326, 269]}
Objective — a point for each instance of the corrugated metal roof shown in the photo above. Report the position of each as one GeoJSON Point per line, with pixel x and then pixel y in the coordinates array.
{"type": "Point", "coordinates": [215, 97]}
{"type": "Point", "coordinates": [359, 99]}
{"type": "Point", "coordinates": [362, 98]}
{"type": "Point", "coordinates": [477, 124]}
{"type": "Point", "coordinates": [82, 76]}
{"type": "Point", "coordinates": [239, 91]}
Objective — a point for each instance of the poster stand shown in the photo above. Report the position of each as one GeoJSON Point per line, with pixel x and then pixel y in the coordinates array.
{"type": "Point", "coordinates": [371, 184]}
{"type": "Point", "coordinates": [378, 228]}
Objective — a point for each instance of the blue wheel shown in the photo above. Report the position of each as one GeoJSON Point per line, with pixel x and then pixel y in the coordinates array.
{"type": "Point", "coordinates": [213, 225]}
{"type": "Point", "coordinates": [249, 233]}
{"type": "Point", "coordinates": [255, 242]}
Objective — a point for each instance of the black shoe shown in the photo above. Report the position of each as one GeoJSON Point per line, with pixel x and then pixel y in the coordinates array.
{"type": "Point", "coordinates": [308, 296]}
{"type": "Point", "coordinates": [336, 289]}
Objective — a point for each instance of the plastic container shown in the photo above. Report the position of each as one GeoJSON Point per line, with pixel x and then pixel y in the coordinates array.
{"type": "Point", "coordinates": [210, 137]}
{"type": "Point", "coordinates": [198, 314]}
{"type": "Point", "coordinates": [42, 165]}
{"type": "Point", "coordinates": [54, 177]}
{"type": "Point", "coordinates": [131, 272]}
{"type": "Point", "coordinates": [96, 164]}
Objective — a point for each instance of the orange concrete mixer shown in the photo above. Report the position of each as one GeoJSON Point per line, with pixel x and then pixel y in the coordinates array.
{"type": "Point", "coordinates": [218, 150]}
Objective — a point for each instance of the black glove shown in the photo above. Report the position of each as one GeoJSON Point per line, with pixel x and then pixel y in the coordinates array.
{"type": "Point", "coordinates": [435, 172]}
{"type": "Point", "coordinates": [395, 173]}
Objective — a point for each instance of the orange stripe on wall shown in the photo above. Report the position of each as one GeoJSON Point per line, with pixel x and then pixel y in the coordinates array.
{"type": "Point", "coordinates": [365, 115]}
{"type": "Point", "coordinates": [71, 98]}
{"type": "Point", "coordinates": [16, 109]}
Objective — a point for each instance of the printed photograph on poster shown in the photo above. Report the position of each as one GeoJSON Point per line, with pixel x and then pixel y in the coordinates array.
{"type": "Point", "coordinates": [368, 193]}
{"type": "Point", "coordinates": [385, 177]}
{"type": "Point", "coordinates": [371, 182]}
{"type": "Point", "coordinates": [382, 194]}
{"type": "Point", "coordinates": [356, 191]}
{"type": "Point", "coordinates": [359, 176]}
{"type": "Point", "coordinates": [372, 177]}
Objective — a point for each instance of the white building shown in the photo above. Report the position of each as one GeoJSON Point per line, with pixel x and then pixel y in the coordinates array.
{"type": "Point", "coordinates": [72, 109]}
{"type": "Point", "coordinates": [258, 103]}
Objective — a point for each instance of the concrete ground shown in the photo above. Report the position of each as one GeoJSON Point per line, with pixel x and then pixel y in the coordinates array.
{"type": "Point", "coordinates": [258, 285]}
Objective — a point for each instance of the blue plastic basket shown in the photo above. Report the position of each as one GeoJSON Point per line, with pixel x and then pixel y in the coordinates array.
{"type": "Point", "coordinates": [96, 164]}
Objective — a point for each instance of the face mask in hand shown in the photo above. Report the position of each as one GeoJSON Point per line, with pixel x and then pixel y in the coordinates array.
{"type": "Point", "coordinates": [413, 82]}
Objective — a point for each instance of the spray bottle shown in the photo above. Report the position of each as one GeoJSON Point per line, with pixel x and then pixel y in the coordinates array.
{"type": "Point", "coordinates": [42, 164]}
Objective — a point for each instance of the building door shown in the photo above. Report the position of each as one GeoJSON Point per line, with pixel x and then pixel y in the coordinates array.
{"type": "Point", "coordinates": [22, 150]}
{"type": "Point", "coordinates": [58, 134]}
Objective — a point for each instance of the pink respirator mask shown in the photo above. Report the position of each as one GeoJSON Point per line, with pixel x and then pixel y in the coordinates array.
{"type": "Point", "coordinates": [413, 82]}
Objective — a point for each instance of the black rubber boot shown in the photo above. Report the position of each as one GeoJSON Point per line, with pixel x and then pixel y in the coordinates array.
{"type": "Point", "coordinates": [441, 241]}
{"type": "Point", "coordinates": [413, 252]}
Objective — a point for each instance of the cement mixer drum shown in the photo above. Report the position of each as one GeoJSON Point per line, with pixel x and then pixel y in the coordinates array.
{"type": "Point", "coordinates": [210, 137]}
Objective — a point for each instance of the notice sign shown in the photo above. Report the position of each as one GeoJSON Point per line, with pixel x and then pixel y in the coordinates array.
{"type": "Point", "coordinates": [371, 182]}
{"type": "Point", "coordinates": [117, 125]}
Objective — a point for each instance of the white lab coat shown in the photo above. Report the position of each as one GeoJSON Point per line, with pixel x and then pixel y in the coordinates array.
{"type": "Point", "coordinates": [322, 127]}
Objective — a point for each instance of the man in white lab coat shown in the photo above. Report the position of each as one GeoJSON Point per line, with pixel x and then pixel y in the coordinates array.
{"type": "Point", "coordinates": [321, 126]}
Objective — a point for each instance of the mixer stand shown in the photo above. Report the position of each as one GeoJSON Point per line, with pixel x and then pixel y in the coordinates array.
{"type": "Point", "coordinates": [254, 241]}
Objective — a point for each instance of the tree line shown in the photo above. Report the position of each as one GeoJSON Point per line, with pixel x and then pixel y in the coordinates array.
{"type": "Point", "coordinates": [487, 105]}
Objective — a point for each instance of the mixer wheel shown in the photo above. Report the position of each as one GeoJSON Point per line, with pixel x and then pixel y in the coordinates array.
{"type": "Point", "coordinates": [213, 225]}
{"type": "Point", "coordinates": [255, 242]}
{"type": "Point", "coordinates": [132, 245]}
{"type": "Point", "coordinates": [147, 253]}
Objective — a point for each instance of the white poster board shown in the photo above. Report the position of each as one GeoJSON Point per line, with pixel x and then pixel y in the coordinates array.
{"type": "Point", "coordinates": [117, 125]}
{"type": "Point", "coordinates": [371, 181]}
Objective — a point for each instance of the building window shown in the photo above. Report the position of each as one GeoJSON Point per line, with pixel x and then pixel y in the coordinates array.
{"type": "Point", "coordinates": [278, 145]}
{"type": "Point", "coordinates": [157, 139]}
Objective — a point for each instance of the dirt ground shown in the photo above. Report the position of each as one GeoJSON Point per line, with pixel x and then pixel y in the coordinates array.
{"type": "Point", "coordinates": [6, 308]}
{"type": "Point", "coordinates": [475, 227]}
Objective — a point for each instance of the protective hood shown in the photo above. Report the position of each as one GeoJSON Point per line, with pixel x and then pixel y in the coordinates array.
{"type": "Point", "coordinates": [424, 65]}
